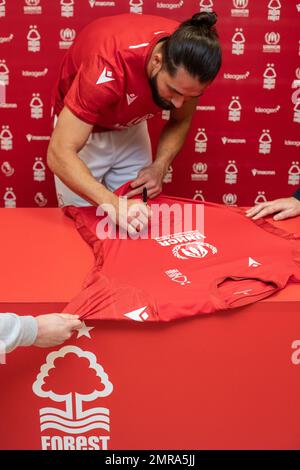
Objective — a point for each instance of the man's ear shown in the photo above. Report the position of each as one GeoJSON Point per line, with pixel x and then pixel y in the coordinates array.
{"type": "Point", "coordinates": [157, 62]}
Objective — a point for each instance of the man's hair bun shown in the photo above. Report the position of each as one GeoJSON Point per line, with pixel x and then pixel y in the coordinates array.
{"type": "Point", "coordinates": [204, 19]}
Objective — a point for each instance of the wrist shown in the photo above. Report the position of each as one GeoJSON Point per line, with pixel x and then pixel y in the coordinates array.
{"type": "Point", "coordinates": [297, 199]}
{"type": "Point", "coordinates": [162, 166]}
{"type": "Point", "coordinates": [107, 197]}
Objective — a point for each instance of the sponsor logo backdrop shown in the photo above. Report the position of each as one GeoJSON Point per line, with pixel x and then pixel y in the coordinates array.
{"type": "Point", "coordinates": [244, 143]}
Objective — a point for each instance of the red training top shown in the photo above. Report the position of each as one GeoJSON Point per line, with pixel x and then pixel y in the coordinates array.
{"type": "Point", "coordinates": [103, 78]}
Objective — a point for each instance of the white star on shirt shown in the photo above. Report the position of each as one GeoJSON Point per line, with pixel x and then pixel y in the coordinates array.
{"type": "Point", "coordinates": [84, 330]}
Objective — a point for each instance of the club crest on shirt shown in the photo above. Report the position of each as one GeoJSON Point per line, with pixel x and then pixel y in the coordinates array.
{"type": "Point", "coordinates": [193, 250]}
{"type": "Point", "coordinates": [188, 245]}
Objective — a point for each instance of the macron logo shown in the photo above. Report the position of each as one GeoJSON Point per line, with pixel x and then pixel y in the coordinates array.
{"type": "Point", "coordinates": [131, 98]}
{"type": "Point", "coordinates": [253, 263]}
{"type": "Point", "coordinates": [106, 76]}
{"type": "Point", "coordinates": [137, 315]}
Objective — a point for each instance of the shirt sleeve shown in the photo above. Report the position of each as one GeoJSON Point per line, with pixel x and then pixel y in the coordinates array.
{"type": "Point", "coordinates": [297, 194]}
{"type": "Point", "coordinates": [16, 330]}
{"type": "Point", "coordinates": [96, 87]}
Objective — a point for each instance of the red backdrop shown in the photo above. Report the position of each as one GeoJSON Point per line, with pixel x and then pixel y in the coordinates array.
{"type": "Point", "coordinates": [244, 142]}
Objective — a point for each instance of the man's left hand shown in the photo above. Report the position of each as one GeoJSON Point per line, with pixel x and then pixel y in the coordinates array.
{"type": "Point", "coordinates": [282, 208]}
{"type": "Point", "coordinates": [150, 177]}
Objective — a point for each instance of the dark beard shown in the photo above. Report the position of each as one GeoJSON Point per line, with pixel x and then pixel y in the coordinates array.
{"type": "Point", "coordinates": [158, 100]}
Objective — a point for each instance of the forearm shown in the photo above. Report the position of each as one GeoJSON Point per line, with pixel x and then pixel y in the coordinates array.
{"type": "Point", "coordinates": [170, 142]}
{"type": "Point", "coordinates": [75, 174]}
{"type": "Point", "coordinates": [17, 331]}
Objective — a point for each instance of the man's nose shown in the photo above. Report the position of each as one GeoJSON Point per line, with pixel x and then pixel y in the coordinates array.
{"type": "Point", "coordinates": [177, 101]}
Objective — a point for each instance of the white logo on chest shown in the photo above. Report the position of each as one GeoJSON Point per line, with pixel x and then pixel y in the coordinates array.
{"type": "Point", "coordinates": [130, 98]}
{"type": "Point", "coordinates": [106, 76]}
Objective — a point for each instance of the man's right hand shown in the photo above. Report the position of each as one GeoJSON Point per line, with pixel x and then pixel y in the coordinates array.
{"type": "Point", "coordinates": [131, 215]}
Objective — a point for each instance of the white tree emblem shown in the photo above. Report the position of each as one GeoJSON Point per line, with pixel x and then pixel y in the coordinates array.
{"type": "Point", "coordinates": [73, 419]}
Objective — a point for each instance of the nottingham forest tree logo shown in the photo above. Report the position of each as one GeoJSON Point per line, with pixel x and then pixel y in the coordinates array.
{"type": "Point", "coordinates": [73, 379]}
